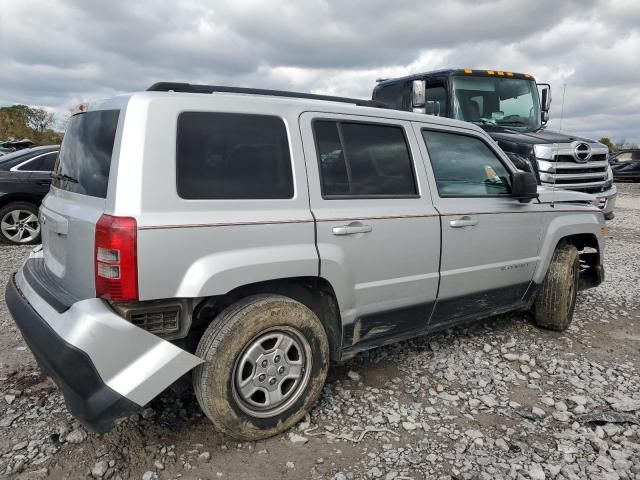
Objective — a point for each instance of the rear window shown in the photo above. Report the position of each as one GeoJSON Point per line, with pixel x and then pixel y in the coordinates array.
{"type": "Point", "coordinates": [232, 156]}
{"type": "Point", "coordinates": [85, 156]}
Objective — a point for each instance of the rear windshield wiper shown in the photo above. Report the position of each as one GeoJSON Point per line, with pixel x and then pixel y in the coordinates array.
{"type": "Point", "coordinates": [63, 176]}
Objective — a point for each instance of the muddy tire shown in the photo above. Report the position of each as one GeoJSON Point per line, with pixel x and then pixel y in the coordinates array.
{"type": "Point", "coordinates": [19, 224]}
{"type": "Point", "coordinates": [266, 361]}
{"type": "Point", "coordinates": [556, 299]}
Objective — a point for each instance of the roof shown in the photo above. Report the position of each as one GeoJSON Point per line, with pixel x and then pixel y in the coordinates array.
{"type": "Point", "coordinates": [458, 71]}
{"type": "Point", "coordinates": [27, 151]}
{"type": "Point", "coordinates": [245, 100]}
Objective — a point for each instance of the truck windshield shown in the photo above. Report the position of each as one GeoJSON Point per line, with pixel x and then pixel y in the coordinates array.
{"type": "Point", "coordinates": [499, 101]}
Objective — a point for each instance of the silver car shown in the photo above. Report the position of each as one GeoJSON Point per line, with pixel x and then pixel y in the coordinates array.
{"type": "Point", "coordinates": [250, 237]}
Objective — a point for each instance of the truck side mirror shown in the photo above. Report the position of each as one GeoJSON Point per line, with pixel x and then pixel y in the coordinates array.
{"type": "Point", "coordinates": [524, 186]}
{"type": "Point", "coordinates": [418, 93]}
{"type": "Point", "coordinates": [545, 96]}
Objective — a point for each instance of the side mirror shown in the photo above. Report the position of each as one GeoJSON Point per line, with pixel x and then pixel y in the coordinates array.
{"type": "Point", "coordinates": [545, 96]}
{"type": "Point", "coordinates": [418, 94]}
{"type": "Point", "coordinates": [524, 186]}
{"type": "Point", "coordinates": [432, 108]}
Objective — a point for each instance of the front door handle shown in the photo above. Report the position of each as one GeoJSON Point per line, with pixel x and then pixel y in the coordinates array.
{"type": "Point", "coordinates": [462, 222]}
{"type": "Point", "coordinates": [352, 229]}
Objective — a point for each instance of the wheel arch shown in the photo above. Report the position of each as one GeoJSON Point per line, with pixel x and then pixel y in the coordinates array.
{"type": "Point", "coordinates": [585, 233]}
{"type": "Point", "coordinates": [20, 197]}
{"type": "Point", "coordinates": [316, 293]}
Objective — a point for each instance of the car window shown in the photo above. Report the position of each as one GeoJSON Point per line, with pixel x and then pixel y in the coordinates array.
{"type": "Point", "coordinates": [41, 163]}
{"type": "Point", "coordinates": [84, 162]}
{"type": "Point", "coordinates": [435, 100]}
{"type": "Point", "coordinates": [232, 156]}
{"type": "Point", "coordinates": [363, 159]}
{"type": "Point", "coordinates": [464, 166]}
{"type": "Point", "coordinates": [48, 162]}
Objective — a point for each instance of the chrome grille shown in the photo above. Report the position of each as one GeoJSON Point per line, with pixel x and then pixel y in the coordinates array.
{"type": "Point", "coordinates": [565, 166]}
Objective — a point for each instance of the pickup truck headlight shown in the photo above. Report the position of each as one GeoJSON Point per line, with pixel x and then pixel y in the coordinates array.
{"type": "Point", "coordinates": [545, 151]}
{"type": "Point", "coordinates": [609, 181]}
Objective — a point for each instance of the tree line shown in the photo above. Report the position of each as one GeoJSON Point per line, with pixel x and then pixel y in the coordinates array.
{"type": "Point", "coordinates": [616, 145]}
{"type": "Point", "coordinates": [22, 121]}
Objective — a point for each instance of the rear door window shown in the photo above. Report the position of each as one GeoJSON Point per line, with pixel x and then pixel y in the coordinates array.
{"type": "Point", "coordinates": [41, 163]}
{"type": "Point", "coordinates": [363, 160]}
{"type": "Point", "coordinates": [84, 161]}
{"type": "Point", "coordinates": [232, 156]}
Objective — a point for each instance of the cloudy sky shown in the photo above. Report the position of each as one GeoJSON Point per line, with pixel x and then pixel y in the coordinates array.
{"type": "Point", "coordinates": [56, 54]}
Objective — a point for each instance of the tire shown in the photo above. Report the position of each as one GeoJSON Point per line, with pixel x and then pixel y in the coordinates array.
{"type": "Point", "coordinates": [556, 300]}
{"type": "Point", "coordinates": [19, 224]}
{"type": "Point", "coordinates": [234, 347]}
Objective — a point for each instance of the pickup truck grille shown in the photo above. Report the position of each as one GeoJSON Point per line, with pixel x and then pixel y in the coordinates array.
{"type": "Point", "coordinates": [565, 166]}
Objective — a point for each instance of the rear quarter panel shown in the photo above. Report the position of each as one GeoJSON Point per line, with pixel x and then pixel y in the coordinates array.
{"type": "Point", "coordinates": [197, 248]}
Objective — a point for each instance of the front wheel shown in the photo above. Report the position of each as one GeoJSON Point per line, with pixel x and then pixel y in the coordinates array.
{"type": "Point", "coordinates": [556, 299]}
{"type": "Point", "coordinates": [266, 361]}
{"type": "Point", "coordinates": [19, 224]}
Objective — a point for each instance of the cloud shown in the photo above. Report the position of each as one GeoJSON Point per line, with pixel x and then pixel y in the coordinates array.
{"type": "Point", "coordinates": [57, 53]}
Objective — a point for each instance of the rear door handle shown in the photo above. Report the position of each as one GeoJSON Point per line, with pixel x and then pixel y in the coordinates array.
{"type": "Point", "coordinates": [463, 222]}
{"type": "Point", "coordinates": [352, 229]}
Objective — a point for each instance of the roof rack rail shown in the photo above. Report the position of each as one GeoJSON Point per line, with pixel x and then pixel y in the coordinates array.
{"type": "Point", "coordinates": [190, 88]}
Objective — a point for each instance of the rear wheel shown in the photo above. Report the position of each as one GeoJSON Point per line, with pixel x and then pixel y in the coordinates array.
{"type": "Point", "coordinates": [19, 224]}
{"type": "Point", "coordinates": [556, 298]}
{"type": "Point", "coordinates": [266, 360]}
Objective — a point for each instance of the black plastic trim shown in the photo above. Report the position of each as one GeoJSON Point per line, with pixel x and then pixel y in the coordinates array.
{"type": "Point", "coordinates": [87, 397]}
{"type": "Point", "coordinates": [191, 88]}
{"type": "Point", "coordinates": [38, 277]}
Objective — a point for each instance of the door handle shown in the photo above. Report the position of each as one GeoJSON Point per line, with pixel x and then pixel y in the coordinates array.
{"type": "Point", "coordinates": [463, 222]}
{"type": "Point", "coordinates": [352, 229]}
{"type": "Point", "coordinates": [43, 182]}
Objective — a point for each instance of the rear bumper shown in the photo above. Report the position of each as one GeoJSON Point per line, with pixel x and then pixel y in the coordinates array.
{"type": "Point", "coordinates": [105, 366]}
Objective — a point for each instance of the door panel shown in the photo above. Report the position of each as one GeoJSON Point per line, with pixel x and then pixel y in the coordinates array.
{"type": "Point", "coordinates": [380, 254]}
{"type": "Point", "coordinates": [491, 244]}
{"type": "Point", "coordinates": [40, 182]}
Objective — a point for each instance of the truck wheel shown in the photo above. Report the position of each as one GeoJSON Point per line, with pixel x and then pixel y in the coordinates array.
{"type": "Point", "coordinates": [553, 308]}
{"type": "Point", "coordinates": [266, 361]}
{"type": "Point", "coordinates": [19, 224]}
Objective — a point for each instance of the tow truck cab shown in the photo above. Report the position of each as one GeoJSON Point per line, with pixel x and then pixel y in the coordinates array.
{"type": "Point", "coordinates": [514, 110]}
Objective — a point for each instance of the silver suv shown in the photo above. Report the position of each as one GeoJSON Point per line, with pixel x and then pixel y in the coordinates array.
{"type": "Point", "coordinates": [250, 237]}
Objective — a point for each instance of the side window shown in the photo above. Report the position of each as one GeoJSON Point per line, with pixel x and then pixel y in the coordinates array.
{"type": "Point", "coordinates": [465, 166]}
{"type": "Point", "coordinates": [49, 162]}
{"type": "Point", "coordinates": [361, 159]}
{"type": "Point", "coordinates": [31, 165]}
{"type": "Point", "coordinates": [392, 95]}
{"type": "Point", "coordinates": [43, 163]}
{"type": "Point", "coordinates": [232, 156]}
{"type": "Point", "coordinates": [436, 100]}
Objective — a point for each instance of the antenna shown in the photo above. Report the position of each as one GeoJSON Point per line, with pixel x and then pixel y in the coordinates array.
{"type": "Point", "coordinates": [555, 156]}
{"type": "Point", "coordinates": [564, 91]}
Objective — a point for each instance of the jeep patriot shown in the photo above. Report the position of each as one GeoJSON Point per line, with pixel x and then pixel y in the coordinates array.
{"type": "Point", "coordinates": [249, 237]}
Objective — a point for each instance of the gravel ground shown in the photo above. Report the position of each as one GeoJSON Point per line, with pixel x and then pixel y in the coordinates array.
{"type": "Point", "coordinates": [501, 399]}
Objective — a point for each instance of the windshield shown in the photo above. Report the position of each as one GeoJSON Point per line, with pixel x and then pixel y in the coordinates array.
{"type": "Point", "coordinates": [506, 102]}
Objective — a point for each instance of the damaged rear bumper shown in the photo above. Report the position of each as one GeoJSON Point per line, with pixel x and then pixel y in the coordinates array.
{"type": "Point", "coordinates": [105, 366]}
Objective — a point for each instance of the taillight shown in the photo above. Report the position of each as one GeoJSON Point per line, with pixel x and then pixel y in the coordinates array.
{"type": "Point", "coordinates": [116, 262]}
